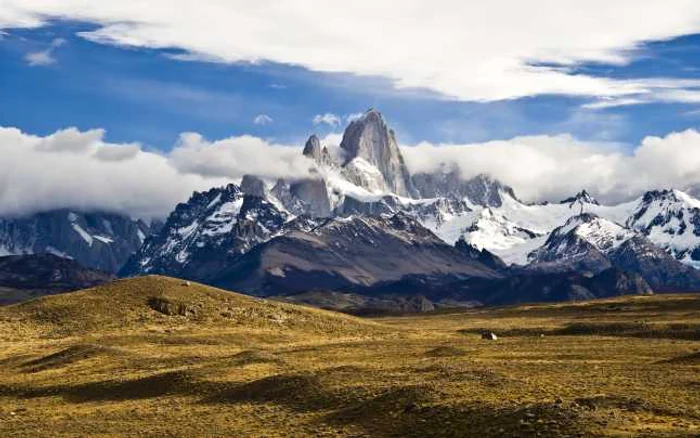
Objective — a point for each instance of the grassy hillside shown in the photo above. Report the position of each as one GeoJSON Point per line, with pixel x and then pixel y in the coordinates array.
{"type": "Point", "coordinates": [156, 303]}
{"type": "Point", "coordinates": [152, 357]}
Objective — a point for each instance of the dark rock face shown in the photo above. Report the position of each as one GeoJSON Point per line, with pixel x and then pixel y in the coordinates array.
{"type": "Point", "coordinates": [306, 196]}
{"type": "Point", "coordinates": [97, 240]}
{"type": "Point", "coordinates": [369, 138]}
{"type": "Point", "coordinates": [487, 258]}
{"type": "Point", "coordinates": [352, 253]}
{"type": "Point", "coordinates": [29, 276]}
{"type": "Point", "coordinates": [251, 185]}
{"type": "Point", "coordinates": [448, 183]}
{"type": "Point", "coordinates": [662, 271]}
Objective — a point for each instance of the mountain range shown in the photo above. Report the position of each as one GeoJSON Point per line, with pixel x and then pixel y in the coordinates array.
{"type": "Point", "coordinates": [360, 223]}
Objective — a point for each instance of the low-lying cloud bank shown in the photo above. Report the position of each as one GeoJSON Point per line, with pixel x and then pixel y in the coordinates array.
{"type": "Point", "coordinates": [79, 169]}
{"type": "Point", "coordinates": [74, 169]}
{"type": "Point", "coordinates": [553, 167]}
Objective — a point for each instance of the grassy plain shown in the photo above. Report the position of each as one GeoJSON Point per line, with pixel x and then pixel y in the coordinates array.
{"type": "Point", "coordinates": [155, 357]}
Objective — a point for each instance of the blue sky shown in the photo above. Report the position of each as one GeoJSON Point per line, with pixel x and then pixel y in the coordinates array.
{"type": "Point", "coordinates": [143, 95]}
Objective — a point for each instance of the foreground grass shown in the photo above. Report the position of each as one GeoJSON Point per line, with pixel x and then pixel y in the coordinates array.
{"type": "Point", "coordinates": [226, 365]}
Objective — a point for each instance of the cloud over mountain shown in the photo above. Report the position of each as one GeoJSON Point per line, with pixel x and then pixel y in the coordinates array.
{"type": "Point", "coordinates": [78, 169]}
{"type": "Point", "coordinates": [553, 167]}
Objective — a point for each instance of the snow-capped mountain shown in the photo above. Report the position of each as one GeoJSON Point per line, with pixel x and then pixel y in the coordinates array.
{"type": "Point", "coordinates": [372, 156]}
{"type": "Point", "coordinates": [210, 230]}
{"type": "Point", "coordinates": [670, 219]}
{"type": "Point", "coordinates": [325, 226]}
{"type": "Point", "coordinates": [588, 243]}
{"type": "Point", "coordinates": [96, 240]}
{"type": "Point", "coordinates": [579, 236]}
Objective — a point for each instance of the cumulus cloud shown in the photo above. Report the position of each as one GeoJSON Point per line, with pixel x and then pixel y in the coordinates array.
{"type": "Point", "coordinates": [236, 156]}
{"type": "Point", "coordinates": [329, 119]}
{"type": "Point", "coordinates": [46, 56]}
{"type": "Point", "coordinates": [70, 140]}
{"type": "Point", "coordinates": [554, 167]}
{"type": "Point", "coordinates": [122, 152]}
{"type": "Point", "coordinates": [467, 50]}
{"type": "Point", "coordinates": [78, 169]}
{"type": "Point", "coordinates": [262, 119]}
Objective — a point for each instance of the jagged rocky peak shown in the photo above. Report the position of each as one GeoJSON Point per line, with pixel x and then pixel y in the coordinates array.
{"type": "Point", "coordinates": [252, 185]}
{"type": "Point", "coordinates": [316, 152]}
{"type": "Point", "coordinates": [583, 197]}
{"type": "Point", "coordinates": [670, 196]}
{"type": "Point", "coordinates": [485, 190]}
{"type": "Point", "coordinates": [312, 149]}
{"type": "Point", "coordinates": [482, 255]}
{"type": "Point", "coordinates": [370, 139]}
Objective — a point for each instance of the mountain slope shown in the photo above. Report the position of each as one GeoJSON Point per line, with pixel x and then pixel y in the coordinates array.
{"type": "Point", "coordinates": [588, 243]}
{"type": "Point", "coordinates": [27, 276]}
{"type": "Point", "coordinates": [348, 253]}
{"type": "Point", "coordinates": [97, 240]}
{"type": "Point", "coordinates": [205, 234]}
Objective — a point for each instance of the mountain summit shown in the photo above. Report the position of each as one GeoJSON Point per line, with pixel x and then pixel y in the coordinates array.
{"type": "Point", "coordinates": [369, 139]}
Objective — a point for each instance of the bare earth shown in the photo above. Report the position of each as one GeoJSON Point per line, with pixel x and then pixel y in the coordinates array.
{"type": "Point", "coordinates": [154, 357]}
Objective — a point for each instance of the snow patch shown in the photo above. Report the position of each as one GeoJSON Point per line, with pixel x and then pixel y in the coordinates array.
{"type": "Point", "coordinates": [84, 234]}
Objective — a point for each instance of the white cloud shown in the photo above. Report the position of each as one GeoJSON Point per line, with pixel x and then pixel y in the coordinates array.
{"type": "Point", "coordinates": [236, 156]}
{"type": "Point", "coordinates": [352, 117]}
{"type": "Point", "coordinates": [554, 167]}
{"type": "Point", "coordinates": [122, 152]}
{"type": "Point", "coordinates": [329, 119]}
{"type": "Point", "coordinates": [262, 119]}
{"type": "Point", "coordinates": [466, 50]}
{"type": "Point", "coordinates": [78, 169]}
{"type": "Point", "coordinates": [46, 56]}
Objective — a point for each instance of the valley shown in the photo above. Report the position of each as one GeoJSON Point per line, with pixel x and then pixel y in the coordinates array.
{"type": "Point", "coordinates": [156, 356]}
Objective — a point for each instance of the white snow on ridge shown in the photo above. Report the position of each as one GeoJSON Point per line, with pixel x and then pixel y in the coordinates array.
{"type": "Point", "coordinates": [515, 229]}
{"type": "Point", "coordinates": [605, 235]}
{"type": "Point", "coordinates": [84, 234]}
{"type": "Point", "coordinates": [57, 253]}
{"type": "Point", "coordinates": [103, 239]}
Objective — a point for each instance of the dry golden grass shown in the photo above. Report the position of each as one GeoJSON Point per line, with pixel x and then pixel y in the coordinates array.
{"type": "Point", "coordinates": [109, 362]}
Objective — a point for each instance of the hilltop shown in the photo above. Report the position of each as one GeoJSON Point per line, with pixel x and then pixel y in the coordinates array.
{"type": "Point", "coordinates": [162, 303]}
